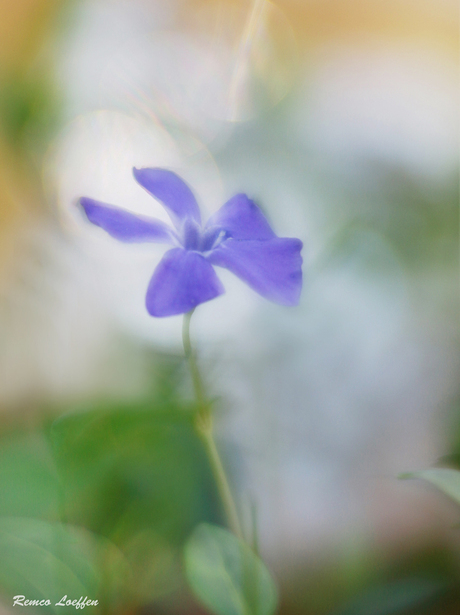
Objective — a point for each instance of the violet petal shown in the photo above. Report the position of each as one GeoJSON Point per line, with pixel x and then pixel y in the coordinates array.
{"type": "Point", "coordinates": [172, 191]}
{"type": "Point", "coordinates": [242, 219]}
{"type": "Point", "coordinates": [126, 226]}
{"type": "Point", "coordinates": [182, 280]}
{"type": "Point", "coordinates": [273, 268]}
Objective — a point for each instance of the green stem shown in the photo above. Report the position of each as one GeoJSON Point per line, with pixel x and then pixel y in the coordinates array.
{"type": "Point", "coordinates": [220, 477]}
{"type": "Point", "coordinates": [195, 372]}
{"type": "Point", "coordinates": [204, 426]}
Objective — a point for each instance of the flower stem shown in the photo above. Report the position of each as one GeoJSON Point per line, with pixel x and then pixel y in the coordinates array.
{"type": "Point", "coordinates": [198, 387]}
{"type": "Point", "coordinates": [204, 427]}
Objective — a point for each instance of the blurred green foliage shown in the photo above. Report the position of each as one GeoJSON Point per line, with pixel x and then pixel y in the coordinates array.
{"type": "Point", "coordinates": [423, 580]}
{"type": "Point", "coordinates": [29, 110]}
{"type": "Point", "coordinates": [47, 561]}
{"type": "Point", "coordinates": [131, 467]}
{"type": "Point", "coordinates": [28, 477]}
{"type": "Point", "coordinates": [396, 598]}
{"type": "Point", "coordinates": [132, 475]}
{"type": "Point", "coordinates": [446, 480]}
{"type": "Point", "coordinates": [226, 575]}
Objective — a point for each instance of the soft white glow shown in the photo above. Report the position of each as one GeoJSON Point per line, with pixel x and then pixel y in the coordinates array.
{"type": "Point", "coordinates": [399, 104]}
{"type": "Point", "coordinates": [94, 157]}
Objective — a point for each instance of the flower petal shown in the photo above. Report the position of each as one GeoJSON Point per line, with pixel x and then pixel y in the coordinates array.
{"type": "Point", "coordinates": [182, 280]}
{"type": "Point", "coordinates": [273, 268]}
{"type": "Point", "coordinates": [242, 219]}
{"type": "Point", "coordinates": [126, 226]}
{"type": "Point", "coordinates": [172, 191]}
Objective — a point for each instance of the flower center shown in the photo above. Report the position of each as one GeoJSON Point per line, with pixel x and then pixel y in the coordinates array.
{"type": "Point", "coordinates": [212, 237]}
{"type": "Point", "coordinates": [195, 238]}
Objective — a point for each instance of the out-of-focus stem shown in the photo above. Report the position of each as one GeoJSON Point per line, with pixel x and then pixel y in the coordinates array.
{"type": "Point", "coordinates": [204, 427]}
{"type": "Point", "coordinates": [195, 372]}
{"type": "Point", "coordinates": [222, 482]}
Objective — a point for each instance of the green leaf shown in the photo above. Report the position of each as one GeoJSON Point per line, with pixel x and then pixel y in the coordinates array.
{"type": "Point", "coordinates": [43, 560]}
{"type": "Point", "coordinates": [28, 481]}
{"type": "Point", "coordinates": [445, 479]}
{"type": "Point", "coordinates": [226, 575]}
{"type": "Point", "coordinates": [127, 469]}
{"type": "Point", "coordinates": [138, 475]}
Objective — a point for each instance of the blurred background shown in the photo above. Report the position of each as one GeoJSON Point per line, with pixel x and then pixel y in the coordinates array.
{"type": "Point", "coordinates": [339, 117]}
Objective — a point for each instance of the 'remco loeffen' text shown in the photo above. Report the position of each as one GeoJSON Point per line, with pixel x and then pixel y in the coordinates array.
{"type": "Point", "coordinates": [64, 601]}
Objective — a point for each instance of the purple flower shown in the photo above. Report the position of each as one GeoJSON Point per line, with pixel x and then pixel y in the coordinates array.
{"type": "Point", "coordinates": [237, 237]}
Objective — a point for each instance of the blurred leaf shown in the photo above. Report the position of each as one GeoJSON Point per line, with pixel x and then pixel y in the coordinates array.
{"type": "Point", "coordinates": [445, 479]}
{"type": "Point", "coordinates": [137, 474]}
{"type": "Point", "coordinates": [396, 598]}
{"type": "Point", "coordinates": [47, 561]}
{"type": "Point", "coordinates": [28, 481]}
{"type": "Point", "coordinates": [131, 468]}
{"type": "Point", "coordinates": [226, 575]}
{"type": "Point", "coordinates": [452, 461]}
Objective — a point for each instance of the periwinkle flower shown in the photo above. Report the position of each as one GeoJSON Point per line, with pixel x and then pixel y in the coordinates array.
{"type": "Point", "coordinates": [237, 237]}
